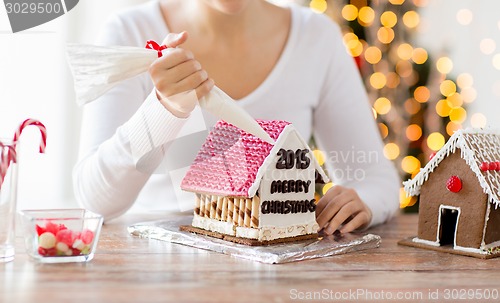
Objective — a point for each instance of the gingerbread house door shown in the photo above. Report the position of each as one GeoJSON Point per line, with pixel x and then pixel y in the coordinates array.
{"type": "Point", "coordinates": [448, 225]}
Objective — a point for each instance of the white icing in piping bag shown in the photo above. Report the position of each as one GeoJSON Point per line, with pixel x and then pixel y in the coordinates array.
{"type": "Point", "coordinates": [219, 104]}
{"type": "Point", "coordinates": [96, 69]}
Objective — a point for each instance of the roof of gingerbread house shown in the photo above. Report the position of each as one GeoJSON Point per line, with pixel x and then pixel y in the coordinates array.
{"type": "Point", "coordinates": [232, 162]}
{"type": "Point", "coordinates": [477, 146]}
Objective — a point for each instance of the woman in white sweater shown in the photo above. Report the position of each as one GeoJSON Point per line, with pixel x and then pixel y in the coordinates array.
{"type": "Point", "coordinates": [280, 63]}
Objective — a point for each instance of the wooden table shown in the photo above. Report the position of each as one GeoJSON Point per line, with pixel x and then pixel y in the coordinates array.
{"type": "Point", "coordinates": [131, 269]}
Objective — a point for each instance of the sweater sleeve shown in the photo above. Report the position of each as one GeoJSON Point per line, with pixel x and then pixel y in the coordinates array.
{"type": "Point", "coordinates": [127, 118]}
{"type": "Point", "coordinates": [345, 130]}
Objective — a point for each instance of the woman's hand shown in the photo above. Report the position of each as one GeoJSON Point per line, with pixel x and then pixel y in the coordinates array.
{"type": "Point", "coordinates": [342, 206]}
{"type": "Point", "coordinates": [177, 76]}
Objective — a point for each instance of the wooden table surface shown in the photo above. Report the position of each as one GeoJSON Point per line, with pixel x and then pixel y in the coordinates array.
{"type": "Point", "coordinates": [130, 269]}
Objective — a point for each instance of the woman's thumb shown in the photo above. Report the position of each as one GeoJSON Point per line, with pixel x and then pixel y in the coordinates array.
{"type": "Point", "coordinates": [174, 40]}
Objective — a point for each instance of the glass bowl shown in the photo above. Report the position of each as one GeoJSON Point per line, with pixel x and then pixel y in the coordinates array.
{"type": "Point", "coordinates": [60, 235]}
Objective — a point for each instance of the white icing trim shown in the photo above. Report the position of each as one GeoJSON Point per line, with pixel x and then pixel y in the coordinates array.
{"type": "Point", "coordinates": [472, 250]}
{"type": "Point", "coordinates": [214, 225]}
{"type": "Point", "coordinates": [441, 207]}
{"type": "Point", "coordinates": [427, 242]}
{"type": "Point", "coordinates": [458, 140]}
{"type": "Point", "coordinates": [264, 233]}
{"type": "Point", "coordinates": [486, 219]}
{"type": "Point", "coordinates": [247, 232]}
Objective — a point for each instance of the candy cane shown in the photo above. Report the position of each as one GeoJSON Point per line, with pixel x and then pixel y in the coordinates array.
{"type": "Point", "coordinates": [41, 127]}
{"type": "Point", "coordinates": [7, 154]}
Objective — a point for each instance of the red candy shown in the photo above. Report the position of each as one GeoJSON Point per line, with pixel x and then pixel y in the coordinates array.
{"type": "Point", "coordinates": [68, 242]}
{"type": "Point", "coordinates": [65, 236]}
{"type": "Point", "coordinates": [454, 184]}
{"type": "Point", "coordinates": [492, 166]}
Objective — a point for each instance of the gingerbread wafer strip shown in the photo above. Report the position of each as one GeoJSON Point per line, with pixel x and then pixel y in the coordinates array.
{"type": "Point", "coordinates": [254, 222]}
{"type": "Point", "coordinates": [230, 210]}
{"type": "Point", "coordinates": [213, 206]}
{"type": "Point", "coordinates": [202, 206]}
{"type": "Point", "coordinates": [223, 216]}
{"type": "Point", "coordinates": [241, 219]}
{"type": "Point", "coordinates": [208, 200]}
{"type": "Point", "coordinates": [248, 212]}
{"type": "Point", "coordinates": [197, 204]}
{"type": "Point", "coordinates": [218, 208]}
{"type": "Point", "coordinates": [236, 211]}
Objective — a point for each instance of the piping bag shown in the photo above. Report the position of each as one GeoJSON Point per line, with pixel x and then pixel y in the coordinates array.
{"type": "Point", "coordinates": [96, 69]}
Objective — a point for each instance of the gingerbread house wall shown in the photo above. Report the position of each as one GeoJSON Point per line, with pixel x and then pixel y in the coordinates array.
{"type": "Point", "coordinates": [493, 226]}
{"type": "Point", "coordinates": [470, 199]}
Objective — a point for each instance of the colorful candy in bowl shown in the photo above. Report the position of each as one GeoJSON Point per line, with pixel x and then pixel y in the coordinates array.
{"type": "Point", "coordinates": [61, 235]}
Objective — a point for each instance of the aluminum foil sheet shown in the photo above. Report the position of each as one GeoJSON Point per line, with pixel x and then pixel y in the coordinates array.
{"type": "Point", "coordinates": [168, 230]}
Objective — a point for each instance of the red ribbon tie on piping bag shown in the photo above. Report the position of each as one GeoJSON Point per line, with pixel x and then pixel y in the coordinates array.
{"type": "Point", "coordinates": [151, 44]}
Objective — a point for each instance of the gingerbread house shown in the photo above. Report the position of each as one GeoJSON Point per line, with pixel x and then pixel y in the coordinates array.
{"type": "Point", "coordinates": [459, 196]}
{"type": "Point", "coordinates": [252, 192]}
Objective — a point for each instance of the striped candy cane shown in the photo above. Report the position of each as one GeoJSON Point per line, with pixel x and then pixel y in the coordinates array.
{"type": "Point", "coordinates": [41, 127]}
{"type": "Point", "coordinates": [7, 154]}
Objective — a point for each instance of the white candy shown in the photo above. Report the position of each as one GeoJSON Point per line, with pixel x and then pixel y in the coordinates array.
{"type": "Point", "coordinates": [47, 240]}
{"type": "Point", "coordinates": [78, 244]}
{"type": "Point", "coordinates": [63, 247]}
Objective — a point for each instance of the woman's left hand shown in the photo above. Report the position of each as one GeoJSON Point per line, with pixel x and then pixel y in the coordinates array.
{"type": "Point", "coordinates": [342, 206]}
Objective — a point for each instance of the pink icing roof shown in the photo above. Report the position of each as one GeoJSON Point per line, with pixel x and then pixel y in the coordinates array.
{"type": "Point", "coordinates": [228, 161]}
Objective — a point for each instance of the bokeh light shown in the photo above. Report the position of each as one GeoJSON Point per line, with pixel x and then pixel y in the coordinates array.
{"type": "Point", "coordinates": [458, 115]}
{"type": "Point", "coordinates": [422, 94]}
{"type": "Point", "coordinates": [435, 141]}
{"type": "Point", "coordinates": [478, 120]}
{"type": "Point", "coordinates": [413, 132]}
{"type": "Point", "coordinates": [496, 61]}
{"type": "Point", "coordinates": [384, 130]}
{"type": "Point", "coordinates": [391, 151]}
{"type": "Point", "coordinates": [411, 19]}
{"type": "Point", "coordinates": [419, 55]}
{"type": "Point", "coordinates": [465, 80]}
{"type": "Point", "coordinates": [385, 35]}
{"type": "Point", "coordinates": [373, 55]}
{"type": "Point", "coordinates": [320, 156]}
{"type": "Point", "coordinates": [455, 100]}
{"type": "Point", "coordinates": [366, 15]}
{"type": "Point", "coordinates": [350, 12]}
{"type": "Point", "coordinates": [378, 80]}
{"type": "Point", "coordinates": [412, 106]}
{"type": "Point", "coordinates": [444, 65]}
{"type": "Point", "coordinates": [404, 200]}
{"type": "Point", "coordinates": [452, 127]}
{"type": "Point", "coordinates": [392, 80]}
{"type": "Point", "coordinates": [447, 88]}
{"type": "Point", "coordinates": [464, 16]}
{"type": "Point", "coordinates": [442, 108]}
{"type": "Point", "coordinates": [404, 68]}
{"type": "Point", "coordinates": [326, 187]}
{"type": "Point", "coordinates": [388, 19]}
{"type": "Point", "coordinates": [405, 51]}
{"type": "Point", "coordinates": [487, 46]}
{"type": "Point", "coordinates": [410, 164]}
{"type": "Point", "coordinates": [396, 2]}
{"type": "Point", "coordinates": [318, 6]}
{"type": "Point", "coordinates": [382, 105]}
{"type": "Point", "coordinates": [469, 94]}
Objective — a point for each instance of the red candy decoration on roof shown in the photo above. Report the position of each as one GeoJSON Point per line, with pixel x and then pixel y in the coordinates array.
{"type": "Point", "coordinates": [432, 155]}
{"type": "Point", "coordinates": [486, 166]}
{"type": "Point", "coordinates": [454, 184]}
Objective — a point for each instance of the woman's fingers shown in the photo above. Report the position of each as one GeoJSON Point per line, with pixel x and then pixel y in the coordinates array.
{"type": "Point", "coordinates": [173, 40]}
{"type": "Point", "coordinates": [342, 206]}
